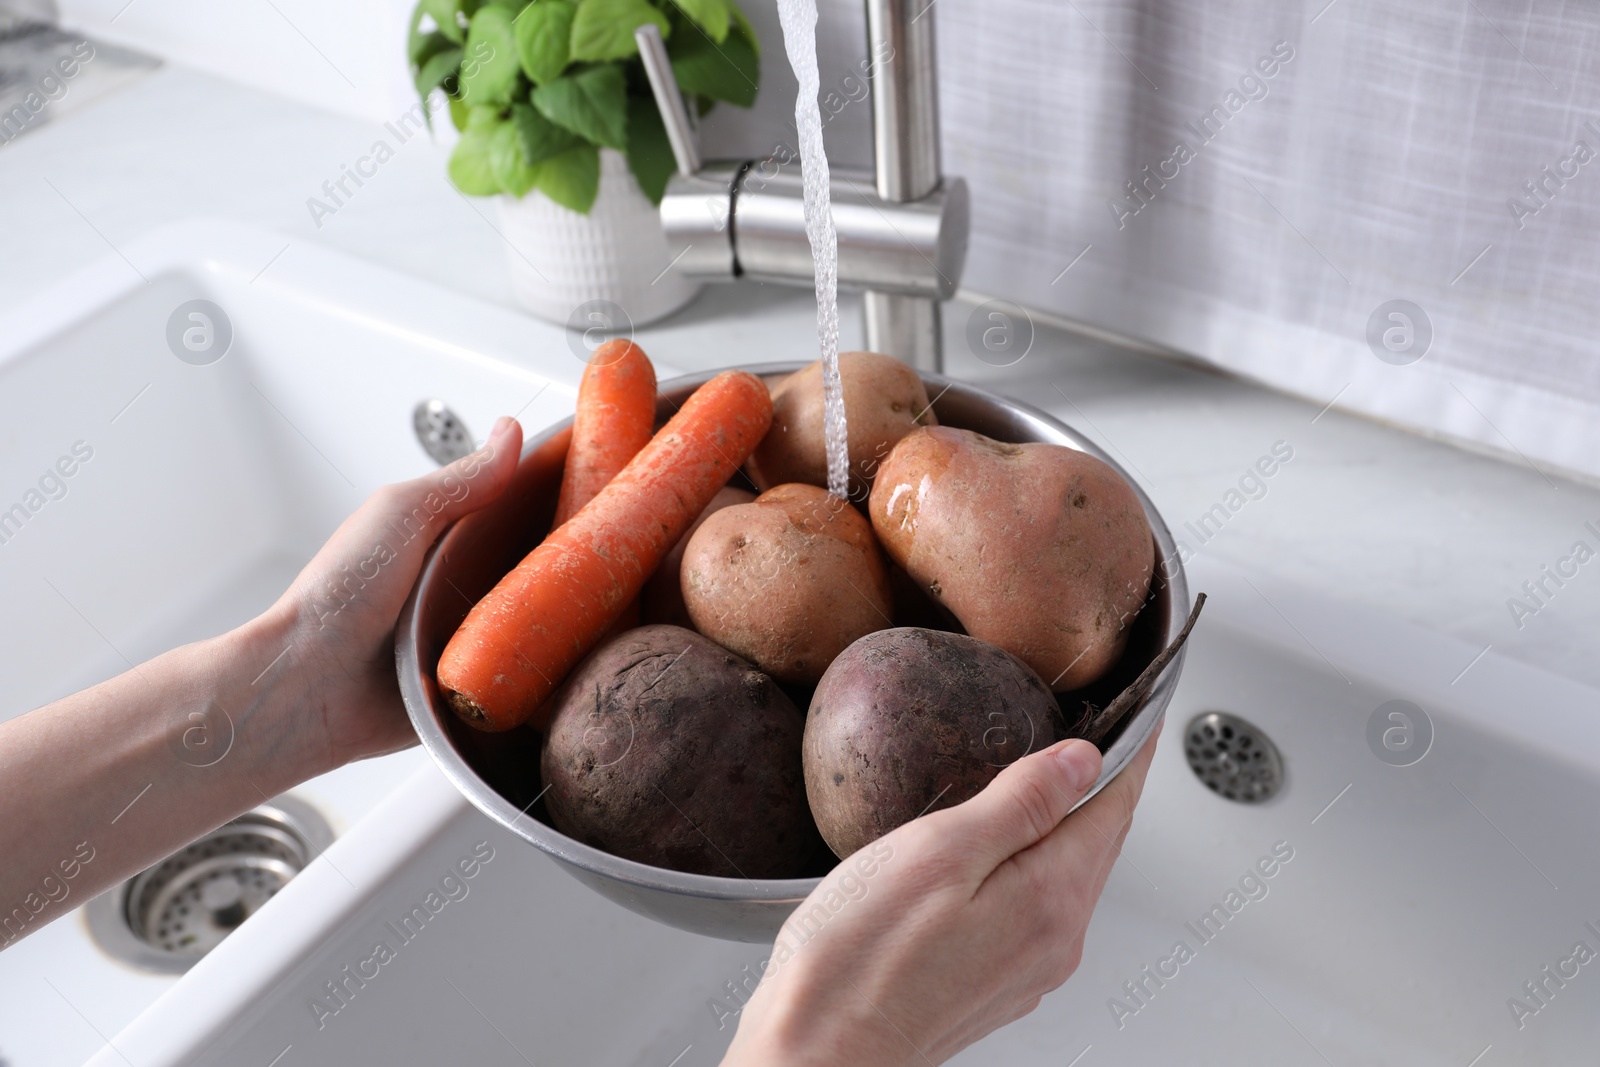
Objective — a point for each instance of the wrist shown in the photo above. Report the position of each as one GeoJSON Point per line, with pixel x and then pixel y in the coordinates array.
{"type": "Point", "coordinates": [784, 1026]}
{"type": "Point", "coordinates": [263, 694]}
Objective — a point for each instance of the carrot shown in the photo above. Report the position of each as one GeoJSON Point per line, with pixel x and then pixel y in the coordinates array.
{"type": "Point", "coordinates": [518, 643]}
{"type": "Point", "coordinates": [616, 417]}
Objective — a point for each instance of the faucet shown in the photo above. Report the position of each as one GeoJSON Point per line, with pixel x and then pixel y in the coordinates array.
{"type": "Point", "coordinates": [902, 229]}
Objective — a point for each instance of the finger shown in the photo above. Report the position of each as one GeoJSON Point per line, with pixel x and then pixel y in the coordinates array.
{"type": "Point", "coordinates": [1111, 810]}
{"type": "Point", "coordinates": [1087, 843]}
{"type": "Point", "coordinates": [409, 516]}
{"type": "Point", "coordinates": [1023, 804]}
{"type": "Point", "coordinates": [420, 510]}
{"type": "Point", "coordinates": [393, 529]}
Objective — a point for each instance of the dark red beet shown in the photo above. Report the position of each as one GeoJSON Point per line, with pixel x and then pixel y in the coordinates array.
{"type": "Point", "coordinates": [910, 720]}
{"type": "Point", "coordinates": [665, 748]}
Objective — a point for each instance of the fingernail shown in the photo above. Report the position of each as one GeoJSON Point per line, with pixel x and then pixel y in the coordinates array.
{"type": "Point", "coordinates": [501, 425]}
{"type": "Point", "coordinates": [1079, 762]}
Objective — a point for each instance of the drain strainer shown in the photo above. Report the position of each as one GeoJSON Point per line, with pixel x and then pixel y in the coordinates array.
{"type": "Point", "coordinates": [167, 917]}
{"type": "Point", "coordinates": [441, 432]}
{"type": "Point", "coordinates": [1232, 757]}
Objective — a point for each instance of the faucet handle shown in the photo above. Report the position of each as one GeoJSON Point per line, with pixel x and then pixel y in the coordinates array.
{"type": "Point", "coordinates": [674, 116]}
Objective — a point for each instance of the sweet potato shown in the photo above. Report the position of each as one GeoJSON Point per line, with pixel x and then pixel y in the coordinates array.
{"type": "Point", "coordinates": [666, 749]}
{"type": "Point", "coordinates": [1040, 549]}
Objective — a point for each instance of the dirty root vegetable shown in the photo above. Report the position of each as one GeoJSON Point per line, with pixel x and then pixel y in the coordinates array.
{"type": "Point", "coordinates": [884, 400]}
{"type": "Point", "coordinates": [615, 418]}
{"type": "Point", "coordinates": [666, 749]}
{"type": "Point", "coordinates": [663, 595]}
{"type": "Point", "coordinates": [518, 642]}
{"type": "Point", "coordinates": [787, 581]}
{"type": "Point", "coordinates": [1040, 549]}
{"type": "Point", "coordinates": [909, 720]}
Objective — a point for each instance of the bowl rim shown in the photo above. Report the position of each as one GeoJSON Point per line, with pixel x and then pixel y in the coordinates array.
{"type": "Point", "coordinates": [426, 713]}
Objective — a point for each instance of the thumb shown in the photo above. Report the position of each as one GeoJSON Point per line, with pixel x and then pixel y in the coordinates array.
{"type": "Point", "coordinates": [425, 506]}
{"type": "Point", "coordinates": [392, 531]}
{"type": "Point", "coordinates": [1026, 801]}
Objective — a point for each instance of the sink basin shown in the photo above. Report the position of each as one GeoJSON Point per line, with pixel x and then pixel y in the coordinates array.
{"type": "Point", "coordinates": [196, 493]}
{"type": "Point", "coordinates": [199, 487]}
{"type": "Point", "coordinates": [1407, 905]}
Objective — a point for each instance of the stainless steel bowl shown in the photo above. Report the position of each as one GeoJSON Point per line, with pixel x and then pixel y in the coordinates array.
{"type": "Point", "coordinates": [498, 772]}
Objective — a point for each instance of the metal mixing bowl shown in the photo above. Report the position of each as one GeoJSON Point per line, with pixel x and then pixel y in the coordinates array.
{"type": "Point", "coordinates": [498, 772]}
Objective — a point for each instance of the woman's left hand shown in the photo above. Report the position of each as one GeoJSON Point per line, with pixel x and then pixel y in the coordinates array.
{"type": "Point", "coordinates": [337, 620]}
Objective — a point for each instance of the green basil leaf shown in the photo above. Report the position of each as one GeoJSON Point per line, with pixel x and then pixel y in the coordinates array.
{"type": "Point", "coordinates": [470, 167]}
{"type": "Point", "coordinates": [649, 152]}
{"type": "Point", "coordinates": [458, 113]}
{"type": "Point", "coordinates": [426, 47]}
{"type": "Point", "coordinates": [592, 103]}
{"type": "Point", "coordinates": [445, 16]}
{"type": "Point", "coordinates": [489, 62]}
{"type": "Point", "coordinates": [573, 178]}
{"type": "Point", "coordinates": [435, 72]}
{"type": "Point", "coordinates": [513, 173]}
{"type": "Point", "coordinates": [742, 24]}
{"type": "Point", "coordinates": [421, 47]}
{"type": "Point", "coordinates": [543, 32]}
{"type": "Point", "coordinates": [603, 29]}
{"type": "Point", "coordinates": [710, 15]}
{"type": "Point", "coordinates": [484, 117]}
{"type": "Point", "coordinates": [538, 136]}
{"type": "Point", "coordinates": [729, 71]}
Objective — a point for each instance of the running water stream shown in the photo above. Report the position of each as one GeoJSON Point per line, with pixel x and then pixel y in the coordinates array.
{"type": "Point", "coordinates": [799, 18]}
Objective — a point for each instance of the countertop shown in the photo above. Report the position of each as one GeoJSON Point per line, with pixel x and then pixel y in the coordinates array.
{"type": "Point", "coordinates": [1426, 531]}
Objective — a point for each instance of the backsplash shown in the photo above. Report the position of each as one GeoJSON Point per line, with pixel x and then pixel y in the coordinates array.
{"type": "Point", "coordinates": [1385, 207]}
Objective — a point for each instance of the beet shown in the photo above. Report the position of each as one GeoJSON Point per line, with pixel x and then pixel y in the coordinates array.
{"type": "Point", "coordinates": [665, 748]}
{"type": "Point", "coordinates": [911, 720]}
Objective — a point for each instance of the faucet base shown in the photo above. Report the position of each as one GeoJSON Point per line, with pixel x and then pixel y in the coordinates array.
{"type": "Point", "coordinates": [907, 327]}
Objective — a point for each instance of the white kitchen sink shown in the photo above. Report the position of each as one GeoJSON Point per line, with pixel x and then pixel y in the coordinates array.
{"type": "Point", "coordinates": [196, 493]}
{"type": "Point", "coordinates": [1417, 901]}
{"type": "Point", "coordinates": [198, 490]}
{"type": "Point", "coordinates": [1414, 900]}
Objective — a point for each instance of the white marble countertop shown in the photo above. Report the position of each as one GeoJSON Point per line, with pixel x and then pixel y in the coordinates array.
{"type": "Point", "coordinates": [1422, 530]}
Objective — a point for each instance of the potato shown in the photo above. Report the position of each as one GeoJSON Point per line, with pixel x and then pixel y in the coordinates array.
{"type": "Point", "coordinates": [915, 606]}
{"type": "Point", "coordinates": [910, 720]}
{"type": "Point", "coordinates": [666, 749]}
{"type": "Point", "coordinates": [1037, 548]}
{"type": "Point", "coordinates": [884, 400]}
{"type": "Point", "coordinates": [787, 581]}
{"type": "Point", "coordinates": [662, 599]}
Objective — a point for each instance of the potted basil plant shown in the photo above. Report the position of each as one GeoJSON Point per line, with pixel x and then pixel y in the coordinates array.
{"type": "Point", "coordinates": [557, 120]}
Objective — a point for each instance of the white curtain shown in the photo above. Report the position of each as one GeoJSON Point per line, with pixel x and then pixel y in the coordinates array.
{"type": "Point", "coordinates": [1296, 171]}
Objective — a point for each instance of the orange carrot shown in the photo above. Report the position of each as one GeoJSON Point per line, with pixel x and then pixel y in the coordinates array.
{"type": "Point", "coordinates": [616, 417]}
{"type": "Point", "coordinates": [518, 642]}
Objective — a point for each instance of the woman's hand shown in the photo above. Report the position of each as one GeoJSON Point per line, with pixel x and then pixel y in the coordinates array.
{"type": "Point", "coordinates": [336, 621]}
{"type": "Point", "coordinates": [948, 928]}
{"type": "Point", "coordinates": [103, 783]}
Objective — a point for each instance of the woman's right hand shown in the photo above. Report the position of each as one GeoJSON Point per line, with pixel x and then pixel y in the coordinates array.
{"type": "Point", "coordinates": [948, 928]}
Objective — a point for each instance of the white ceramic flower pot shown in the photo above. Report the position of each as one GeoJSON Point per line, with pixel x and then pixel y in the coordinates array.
{"type": "Point", "coordinates": [561, 260]}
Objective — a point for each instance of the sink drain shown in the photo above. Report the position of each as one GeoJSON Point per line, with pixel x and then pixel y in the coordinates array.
{"type": "Point", "coordinates": [441, 432]}
{"type": "Point", "coordinates": [1232, 757]}
{"type": "Point", "coordinates": [169, 916]}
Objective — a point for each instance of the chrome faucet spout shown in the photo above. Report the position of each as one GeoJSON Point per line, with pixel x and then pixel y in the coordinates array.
{"type": "Point", "coordinates": [902, 230]}
{"type": "Point", "coordinates": [905, 148]}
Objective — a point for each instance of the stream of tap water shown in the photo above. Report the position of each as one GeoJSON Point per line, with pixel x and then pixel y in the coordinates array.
{"type": "Point", "coordinates": [799, 18]}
